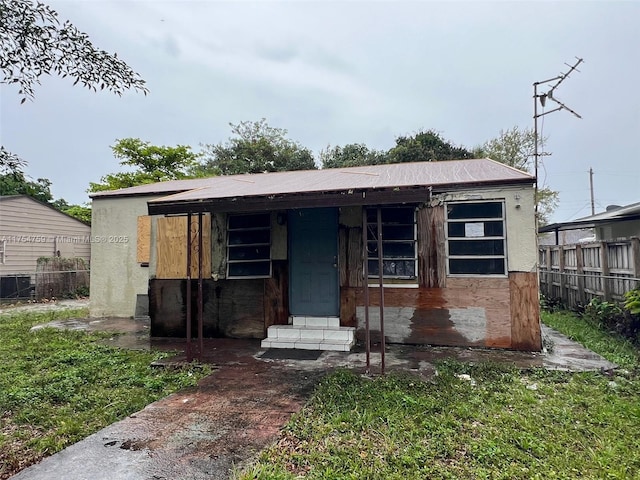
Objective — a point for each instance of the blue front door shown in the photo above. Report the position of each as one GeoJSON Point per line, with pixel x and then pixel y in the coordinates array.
{"type": "Point", "coordinates": [313, 262]}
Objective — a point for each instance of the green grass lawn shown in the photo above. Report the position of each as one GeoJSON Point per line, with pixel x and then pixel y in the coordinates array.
{"type": "Point", "coordinates": [57, 387]}
{"type": "Point", "coordinates": [483, 421]}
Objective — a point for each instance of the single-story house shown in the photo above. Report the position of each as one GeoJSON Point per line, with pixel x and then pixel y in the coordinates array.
{"type": "Point", "coordinates": [30, 229]}
{"type": "Point", "coordinates": [454, 242]}
{"type": "Point", "coordinates": [566, 237]}
{"type": "Point", "coordinates": [614, 223]}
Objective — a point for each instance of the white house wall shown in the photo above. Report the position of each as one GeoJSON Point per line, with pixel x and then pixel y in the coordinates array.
{"type": "Point", "coordinates": [519, 220]}
{"type": "Point", "coordinates": [116, 276]}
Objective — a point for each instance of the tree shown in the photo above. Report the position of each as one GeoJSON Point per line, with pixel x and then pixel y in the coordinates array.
{"type": "Point", "coordinates": [513, 147]}
{"type": "Point", "coordinates": [516, 148]}
{"type": "Point", "coordinates": [256, 148]}
{"type": "Point", "coordinates": [352, 155]}
{"type": "Point", "coordinates": [80, 212]}
{"type": "Point", "coordinates": [426, 146]}
{"type": "Point", "coordinates": [152, 163]}
{"type": "Point", "coordinates": [15, 183]}
{"type": "Point", "coordinates": [33, 42]}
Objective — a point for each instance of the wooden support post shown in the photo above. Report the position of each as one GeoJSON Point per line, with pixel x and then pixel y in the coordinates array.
{"type": "Point", "coordinates": [580, 294]}
{"type": "Point", "coordinates": [635, 253]}
{"type": "Point", "coordinates": [604, 267]}
{"type": "Point", "coordinates": [549, 276]}
{"type": "Point", "coordinates": [563, 295]}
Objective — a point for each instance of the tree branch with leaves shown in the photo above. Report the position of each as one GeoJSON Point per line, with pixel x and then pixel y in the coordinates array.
{"type": "Point", "coordinates": [152, 164]}
{"type": "Point", "coordinates": [515, 147]}
{"type": "Point", "coordinates": [34, 42]}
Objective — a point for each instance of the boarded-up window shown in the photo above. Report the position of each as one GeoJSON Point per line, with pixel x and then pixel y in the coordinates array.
{"type": "Point", "coordinates": [143, 247]}
{"type": "Point", "coordinates": [476, 238]}
{"type": "Point", "coordinates": [171, 247]}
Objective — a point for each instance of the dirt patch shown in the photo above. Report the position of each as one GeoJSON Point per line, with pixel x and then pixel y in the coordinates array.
{"type": "Point", "coordinates": [199, 433]}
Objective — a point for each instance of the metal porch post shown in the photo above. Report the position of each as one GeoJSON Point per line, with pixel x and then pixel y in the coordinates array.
{"type": "Point", "coordinates": [365, 269]}
{"type": "Point", "coordinates": [381, 283]}
{"type": "Point", "coordinates": [188, 299]}
{"type": "Point", "coordinates": [200, 319]}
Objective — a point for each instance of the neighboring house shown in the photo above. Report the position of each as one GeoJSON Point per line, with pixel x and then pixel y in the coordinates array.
{"type": "Point", "coordinates": [567, 237]}
{"type": "Point", "coordinates": [614, 223]}
{"type": "Point", "coordinates": [30, 229]}
{"type": "Point", "coordinates": [458, 254]}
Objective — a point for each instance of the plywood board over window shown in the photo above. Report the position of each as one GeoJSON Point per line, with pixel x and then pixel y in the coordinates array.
{"type": "Point", "coordinates": [171, 245]}
{"type": "Point", "coordinates": [143, 245]}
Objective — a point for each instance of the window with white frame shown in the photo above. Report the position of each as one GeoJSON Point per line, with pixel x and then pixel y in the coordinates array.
{"type": "Point", "coordinates": [249, 245]}
{"type": "Point", "coordinates": [399, 252]}
{"type": "Point", "coordinates": [3, 251]}
{"type": "Point", "coordinates": [476, 242]}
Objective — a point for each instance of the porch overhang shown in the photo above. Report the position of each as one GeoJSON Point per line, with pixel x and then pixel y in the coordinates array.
{"type": "Point", "coordinates": [175, 205]}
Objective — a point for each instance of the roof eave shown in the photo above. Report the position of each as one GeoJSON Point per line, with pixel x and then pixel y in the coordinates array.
{"type": "Point", "coordinates": [575, 225]}
{"type": "Point", "coordinates": [338, 198]}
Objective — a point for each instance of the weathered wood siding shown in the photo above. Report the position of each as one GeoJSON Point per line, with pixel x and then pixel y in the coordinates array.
{"type": "Point", "coordinates": [231, 308]}
{"type": "Point", "coordinates": [432, 268]}
{"type": "Point", "coordinates": [525, 311]}
{"type": "Point", "coordinates": [31, 230]}
{"type": "Point", "coordinates": [440, 310]}
{"type": "Point", "coordinates": [466, 313]}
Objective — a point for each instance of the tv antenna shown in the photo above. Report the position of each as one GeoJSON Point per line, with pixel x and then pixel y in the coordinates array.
{"type": "Point", "coordinates": [542, 98]}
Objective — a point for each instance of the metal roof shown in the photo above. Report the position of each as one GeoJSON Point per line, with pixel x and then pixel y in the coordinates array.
{"type": "Point", "coordinates": [162, 188]}
{"type": "Point", "coordinates": [377, 184]}
{"type": "Point", "coordinates": [621, 214]}
{"type": "Point", "coordinates": [475, 171]}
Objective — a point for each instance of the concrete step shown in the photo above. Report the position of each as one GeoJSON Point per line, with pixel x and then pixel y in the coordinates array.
{"type": "Point", "coordinates": [311, 333]}
{"type": "Point", "coordinates": [307, 321]}
{"type": "Point", "coordinates": [310, 338]}
{"type": "Point", "coordinates": [340, 346]}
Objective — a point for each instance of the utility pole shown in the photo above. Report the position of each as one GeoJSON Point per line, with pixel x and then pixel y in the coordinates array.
{"type": "Point", "coordinates": [593, 205]}
{"type": "Point", "coordinates": [543, 97]}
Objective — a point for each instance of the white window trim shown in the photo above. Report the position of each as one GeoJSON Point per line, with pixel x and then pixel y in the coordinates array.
{"type": "Point", "coordinates": [229, 247]}
{"type": "Point", "coordinates": [3, 251]}
{"type": "Point", "coordinates": [503, 237]}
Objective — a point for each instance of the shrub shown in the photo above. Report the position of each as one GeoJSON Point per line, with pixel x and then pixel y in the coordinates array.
{"type": "Point", "coordinates": [632, 301]}
{"type": "Point", "coordinates": [612, 317]}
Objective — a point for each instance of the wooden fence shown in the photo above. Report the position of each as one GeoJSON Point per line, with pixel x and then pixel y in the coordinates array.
{"type": "Point", "coordinates": [57, 277]}
{"type": "Point", "coordinates": [575, 274]}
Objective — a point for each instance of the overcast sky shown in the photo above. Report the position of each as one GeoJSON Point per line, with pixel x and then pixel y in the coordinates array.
{"type": "Point", "coordinates": [345, 72]}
